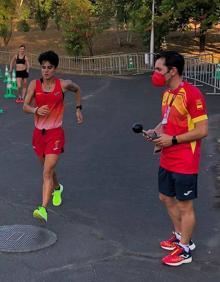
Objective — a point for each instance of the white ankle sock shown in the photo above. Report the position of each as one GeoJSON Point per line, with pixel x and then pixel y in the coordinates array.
{"type": "Point", "coordinates": [178, 235]}
{"type": "Point", "coordinates": [185, 247]}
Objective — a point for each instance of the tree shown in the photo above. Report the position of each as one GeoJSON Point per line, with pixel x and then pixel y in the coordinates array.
{"type": "Point", "coordinates": [179, 13]}
{"type": "Point", "coordinates": [7, 12]}
{"type": "Point", "coordinates": [119, 13]}
{"type": "Point", "coordinates": [123, 19]}
{"type": "Point", "coordinates": [174, 15]}
{"type": "Point", "coordinates": [43, 10]}
{"type": "Point", "coordinates": [81, 21]}
{"type": "Point", "coordinates": [141, 15]}
{"type": "Point", "coordinates": [23, 14]}
{"type": "Point", "coordinates": [77, 26]}
{"type": "Point", "coordinates": [40, 10]}
{"type": "Point", "coordinates": [103, 11]}
{"type": "Point", "coordinates": [57, 12]}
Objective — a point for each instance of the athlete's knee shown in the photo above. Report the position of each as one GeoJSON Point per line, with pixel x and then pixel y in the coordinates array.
{"type": "Point", "coordinates": [48, 173]}
{"type": "Point", "coordinates": [185, 207]}
{"type": "Point", "coordinates": [168, 201]}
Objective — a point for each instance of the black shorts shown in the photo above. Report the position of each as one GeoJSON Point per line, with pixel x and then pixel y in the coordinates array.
{"type": "Point", "coordinates": [22, 74]}
{"type": "Point", "coordinates": [179, 185]}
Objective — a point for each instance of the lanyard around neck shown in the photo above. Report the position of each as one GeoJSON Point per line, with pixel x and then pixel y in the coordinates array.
{"type": "Point", "coordinates": [172, 100]}
{"type": "Point", "coordinates": [167, 110]}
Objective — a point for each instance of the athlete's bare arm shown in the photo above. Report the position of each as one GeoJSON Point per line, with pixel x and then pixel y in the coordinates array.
{"type": "Point", "coordinates": [68, 85]}
{"type": "Point", "coordinates": [28, 108]}
{"type": "Point", "coordinates": [12, 63]}
{"type": "Point", "coordinates": [27, 63]}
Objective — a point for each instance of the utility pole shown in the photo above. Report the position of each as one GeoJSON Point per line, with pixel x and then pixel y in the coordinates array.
{"type": "Point", "coordinates": [152, 36]}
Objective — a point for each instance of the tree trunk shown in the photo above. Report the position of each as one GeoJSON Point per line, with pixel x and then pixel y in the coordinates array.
{"type": "Point", "coordinates": [202, 40]}
{"type": "Point", "coordinates": [7, 35]}
{"type": "Point", "coordinates": [195, 30]}
{"type": "Point", "coordinates": [90, 46]}
{"type": "Point", "coordinates": [129, 37]}
{"type": "Point", "coordinates": [118, 37]}
{"type": "Point", "coordinates": [43, 24]}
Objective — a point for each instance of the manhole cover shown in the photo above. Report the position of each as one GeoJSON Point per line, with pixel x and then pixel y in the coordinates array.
{"type": "Point", "coordinates": [25, 238]}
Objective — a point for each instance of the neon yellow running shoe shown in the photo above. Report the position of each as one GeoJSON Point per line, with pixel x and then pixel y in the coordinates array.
{"type": "Point", "coordinates": [57, 196]}
{"type": "Point", "coordinates": [41, 214]}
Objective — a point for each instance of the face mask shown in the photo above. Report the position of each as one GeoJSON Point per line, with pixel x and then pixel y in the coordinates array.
{"type": "Point", "coordinates": [158, 79]}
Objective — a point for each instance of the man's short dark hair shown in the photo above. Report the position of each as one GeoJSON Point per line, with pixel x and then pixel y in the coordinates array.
{"type": "Point", "coordinates": [22, 45]}
{"type": "Point", "coordinates": [49, 56]}
{"type": "Point", "coordinates": [172, 59]}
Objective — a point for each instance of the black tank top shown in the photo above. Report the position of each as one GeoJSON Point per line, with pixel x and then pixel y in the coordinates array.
{"type": "Point", "coordinates": [20, 61]}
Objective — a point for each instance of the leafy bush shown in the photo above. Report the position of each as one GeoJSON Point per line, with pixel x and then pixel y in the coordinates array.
{"type": "Point", "coordinates": [74, 43]}
{"type": "Point", "coordinates": [23, 26]}
{"type": "Point", "coordinates": [6, 32]}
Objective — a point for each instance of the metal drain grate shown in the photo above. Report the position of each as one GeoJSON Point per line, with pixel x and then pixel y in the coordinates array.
{"type": "Point", "coordinates": [25, 238]}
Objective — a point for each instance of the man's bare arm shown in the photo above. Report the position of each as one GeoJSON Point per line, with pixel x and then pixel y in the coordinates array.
{"type": "Point", "coordinates": [200, 131]}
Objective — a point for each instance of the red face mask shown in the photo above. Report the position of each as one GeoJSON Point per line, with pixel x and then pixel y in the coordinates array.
{"type": "Point", "coordinates": [158, 79]}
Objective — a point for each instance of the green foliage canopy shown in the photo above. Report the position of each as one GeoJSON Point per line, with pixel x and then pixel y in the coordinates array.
{"type": "Point", "coordinates": [179, 13]}
{"type": "Point", "coordinates": [7, 13]}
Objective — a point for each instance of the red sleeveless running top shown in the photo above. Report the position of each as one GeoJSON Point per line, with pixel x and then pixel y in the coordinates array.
{"type": "Point", "coordinates": [55, 102]}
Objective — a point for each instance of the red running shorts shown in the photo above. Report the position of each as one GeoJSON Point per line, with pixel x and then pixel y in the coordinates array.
{"type": "Point", "coordinates": [48, 141]}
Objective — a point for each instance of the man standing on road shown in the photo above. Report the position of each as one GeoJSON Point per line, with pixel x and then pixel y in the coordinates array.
{"type": "Point", "coordinates": [184, 123]}
{"type": "Point", "coordinates": [48, 136]}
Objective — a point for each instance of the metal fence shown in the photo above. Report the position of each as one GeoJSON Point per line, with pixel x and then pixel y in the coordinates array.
{"type": "Point", "coordinates": [198, 68]}
{"type": "Point", "coordinates": [201, 69]}
{"type": "Point", "coordinates": [119, 64]}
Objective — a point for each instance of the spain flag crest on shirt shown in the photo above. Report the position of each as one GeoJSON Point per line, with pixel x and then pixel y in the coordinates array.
{"type": "Point", "coordinates": [199, 104]}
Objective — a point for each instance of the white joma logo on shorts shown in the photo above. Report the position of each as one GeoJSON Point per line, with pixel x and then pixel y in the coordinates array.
{"type": "Point", "coordinates": [187, 193]}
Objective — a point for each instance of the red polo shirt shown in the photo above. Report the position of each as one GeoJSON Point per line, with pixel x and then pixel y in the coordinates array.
{"type": "Point", "coordinates": [187, 108]}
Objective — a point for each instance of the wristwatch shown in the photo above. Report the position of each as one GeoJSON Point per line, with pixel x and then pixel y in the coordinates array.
{"type": "Point", "coordinates": [174, 140]}
{"type": "Point", "coordinates": [79, 107]}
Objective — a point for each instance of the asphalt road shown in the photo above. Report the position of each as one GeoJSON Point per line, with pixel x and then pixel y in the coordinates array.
{"type": "Point", "coordinates": [111, 221]}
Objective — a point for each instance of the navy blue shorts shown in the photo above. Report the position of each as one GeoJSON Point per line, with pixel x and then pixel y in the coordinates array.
{"type": "Point", "coordinates": [179, 185]}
